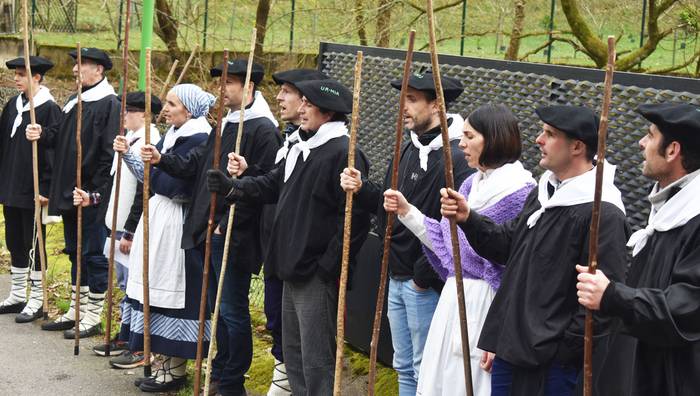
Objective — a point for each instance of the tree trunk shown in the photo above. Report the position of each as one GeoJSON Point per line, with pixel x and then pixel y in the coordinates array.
{"type": "Point", "coordinates": [167, 28]}
{"type": "Point", "coordinates": [517, 31]}
{"type": "Point", "coordinates": [360, 21]}
{"type": "Point", "coordinates": [261, 15]}
{"type": "Point", "coordinates": [596, 48]}
{"type": "Point", "coordinates": [383, 33]}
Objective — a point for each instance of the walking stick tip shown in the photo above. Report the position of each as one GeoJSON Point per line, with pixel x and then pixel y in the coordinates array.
{"type": "Point", "coordinates": [76, 350]}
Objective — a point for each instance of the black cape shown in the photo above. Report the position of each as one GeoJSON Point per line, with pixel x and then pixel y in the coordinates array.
{"type": "Point", "coordinates": [421, 188]}
{"type": "Point", "coordinates": [16, 177]}
{"type": "Point", "coordinates": [100, 125]}
{"type": "Point", "coordinates": [259, 144]}
{"type": "Point", "coordinates": [657, 349]}
{"type": "Point", "coordinates": [307, 231]}
{"type": "Point", "coordinates": [535, 318]}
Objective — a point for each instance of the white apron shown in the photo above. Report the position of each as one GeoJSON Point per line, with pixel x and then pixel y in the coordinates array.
{"type": "Point", "coordinates": [442, 369]}
{"type": "Point", "coordinates": [166, 258]}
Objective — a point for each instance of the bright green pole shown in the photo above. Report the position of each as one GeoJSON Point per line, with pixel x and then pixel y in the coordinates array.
{"type": "Point", "coordinates": [146, 39]}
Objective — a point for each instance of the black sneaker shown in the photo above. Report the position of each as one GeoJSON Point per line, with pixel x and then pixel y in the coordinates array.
{"type": "Point", "coordinates": [151, 385]}
{"type": "Point", "coordinates": [128, 360]}
{"type": "Point", "coordinates": [116, 347]}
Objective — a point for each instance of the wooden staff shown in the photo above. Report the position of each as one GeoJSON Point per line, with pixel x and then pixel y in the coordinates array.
{"type": "Point", "coordinates": [146, 221]}
{"type": "Point", "coordinates": [212, 209]}
{"type": "Point", "coordinates": [35, 163]}
{"type": "Point", "coordinates": [340, 336]}
{"type": "Point", "coordinates": [450, 183]}
{"type": "Point", "coordinates": [595, 217]}
{"type": "Point", "coordinates": [376, 326]}
{"type": "Point", "coordinates": [79, 185]}
{"type": "Point", "coordinates": [164, 90]}
{"type": "Point", "coordinates": [229, 225]}
{"type": "Point", "coordinates": [117, 185]}
{"type": "Point", "coordinates": [181, 76]}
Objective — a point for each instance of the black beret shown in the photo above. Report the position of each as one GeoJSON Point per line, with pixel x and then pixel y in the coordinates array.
{"type": "Point", "coordinates": [451, 87]}
{"type": "Point", "coordinates": [327, 94]}
{"type": "Point", "coordinates": [297, 75]}
{"type": "Point", "coordinates": [238, 67]}
{"type": "Point", "coordinates": [577, 122]}
{"type": "Point", "coordinates": [39, 65]}
{"type": "Point", "coordinates": [138, 100]}
{"type": "Point", "coordinates": [94, 54]}
{"type": "Point", "coordinates": [678, 121]}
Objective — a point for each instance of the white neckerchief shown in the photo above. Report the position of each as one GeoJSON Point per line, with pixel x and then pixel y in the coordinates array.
{"type": "Point", "coordinates": [575, 191]}
{"type": "Point", "coordinates": [454, 131]}
{"type": "Point", "coordinates": [140, 133]}
{"type": "Point", "coordinates": [193, 126]}
{"type": "Point", "coordinates": [326, 132]}
{"type": "Point", "coordinates": [490, 187]}
{"type": "Point", "coordinates": [42, 96]}
{"type": "Point", "coordinates": [259, 109]}
{"type": "Point", "coordinates": [288, 141]}
{"type": "Point", "coordinates": [99, 91]}
{"type": "Point", "coordinates": [676, 212]}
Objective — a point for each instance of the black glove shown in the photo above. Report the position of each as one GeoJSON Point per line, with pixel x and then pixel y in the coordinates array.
{"type": "Point", "coordinates": [218, 182]}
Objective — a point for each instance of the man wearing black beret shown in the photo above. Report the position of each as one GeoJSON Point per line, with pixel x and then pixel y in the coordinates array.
{"type": "Point", "coordinates": [535, 324]}
{"type": "Point", "coordinates": [99, 126]}
{"type": "Point", "coordinates": [657, 348]}
{"type": "Point", "coordinates": [307, 232]}
{"type": "Point", "coordinates": [259, 144]}
{"type": "Point", "coordinates": [423, 170]}
{"type": "Point", "coordinates": [288, 101]}
{"type": "Point", "coordinates": [128, 214]}
{"type": "Point", "coordinates": [16, 187]}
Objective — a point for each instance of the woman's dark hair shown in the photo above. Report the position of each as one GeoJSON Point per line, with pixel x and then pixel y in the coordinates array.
{"type": "Point", "coordinates": [336, 116]}
{"type": "Point", "coordinates": [499, 127]}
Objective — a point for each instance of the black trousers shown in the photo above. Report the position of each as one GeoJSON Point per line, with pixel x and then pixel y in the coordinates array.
{"type": "Point", "coordinates": [19, 236]}
{"type": "Point", "coordinates": [93, 264]}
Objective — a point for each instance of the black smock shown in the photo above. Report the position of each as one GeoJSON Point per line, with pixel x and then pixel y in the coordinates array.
{"type": "Point", "coordinates": [100, 125]}
{"type": "Point", "coordinates": [656, 350]}
{"type": "Point", "coordinates": [259, 144]}
{"type": "Point", "coordinates": [307, 230]}
{"type": "Point", "coordinates": [16, 175]}
{"type": "Point", "coordinates": [421, 188]}
{"type": "Point", "coordinates": [535, 318]}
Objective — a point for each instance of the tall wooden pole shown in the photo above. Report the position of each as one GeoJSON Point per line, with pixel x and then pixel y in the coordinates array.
{"type": "Point", "coordinates": [146, 221]}
{"type": "Point", "coordinates": [389, 219]}
{"type": "Point", "coordinates": [79, 185]}
{"type": "Point", "coordinates": [450, 183]}
{"type": "Point", "coordinates": [181, 76]}
{"type": "Point", "coordinates": [595, 216]}
{"type": "Point", "coordinates": [117, 185]}
{"type": "Point", "coordinates": [166, 84]}
{"type": "Point", "coordinates": [347, 228]}
{"type": "Point", "coordinates": [35, 162]}
{"type": "Point", "coordinates": [215, 165]}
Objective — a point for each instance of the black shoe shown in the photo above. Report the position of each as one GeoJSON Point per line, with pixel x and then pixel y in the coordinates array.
{"type": "Point", "coordinates": [57, 325]}
{"type": "Point", "coordinates": [213, 388]}
{"type": "Point", "coordinates": [89, 332]}
{"type": "Point", "coordinates": [116, 347]}
{"type": "Point", "coordinates": [152, 386]}
{"type": "Point", "coordinates": [14, 308]}
{"type": "Point", "coordinates": [26, 318]}
{"type": "Point", "coordinates": [141, 380]}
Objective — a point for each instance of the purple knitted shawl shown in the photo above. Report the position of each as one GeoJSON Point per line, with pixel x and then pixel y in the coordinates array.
{"type": "Point", "coordinates": [473, 265]}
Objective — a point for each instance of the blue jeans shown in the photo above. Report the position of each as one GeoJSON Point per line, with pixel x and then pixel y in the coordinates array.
{"type": "Point", "coordinates": [561, 379]}
{"type": "Point", "coordinates": [234, 336]}
{"type": "Point", "coordinates": [410, 312]}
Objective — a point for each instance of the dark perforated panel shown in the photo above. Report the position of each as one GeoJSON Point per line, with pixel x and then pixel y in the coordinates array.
{"type": "Point", "coordinates": [522, 87]}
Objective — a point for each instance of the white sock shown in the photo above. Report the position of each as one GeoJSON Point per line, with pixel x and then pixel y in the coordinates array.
{"type": "Point", "coordinates": [36, 294]}
{"type": "Point", "coordinates": [280, 382]}
{"type": "Point", "coordinates": [70, 315]}
{"type": "Point", "coordinates": [93, 312]}
{"type": "Point", "coordinates": [173, 368]}
{"type": "Point", "coordinates": [18, 289]}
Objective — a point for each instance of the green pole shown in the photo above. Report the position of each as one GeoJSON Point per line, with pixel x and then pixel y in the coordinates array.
{"type": "Point", "coordinates": [146, 38]}
{"type": "Point", "coordinates": [464, 25]}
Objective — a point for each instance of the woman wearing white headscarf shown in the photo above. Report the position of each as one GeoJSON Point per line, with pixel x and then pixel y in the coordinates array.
{"type": "Point", "coordinates": [175, 277]}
